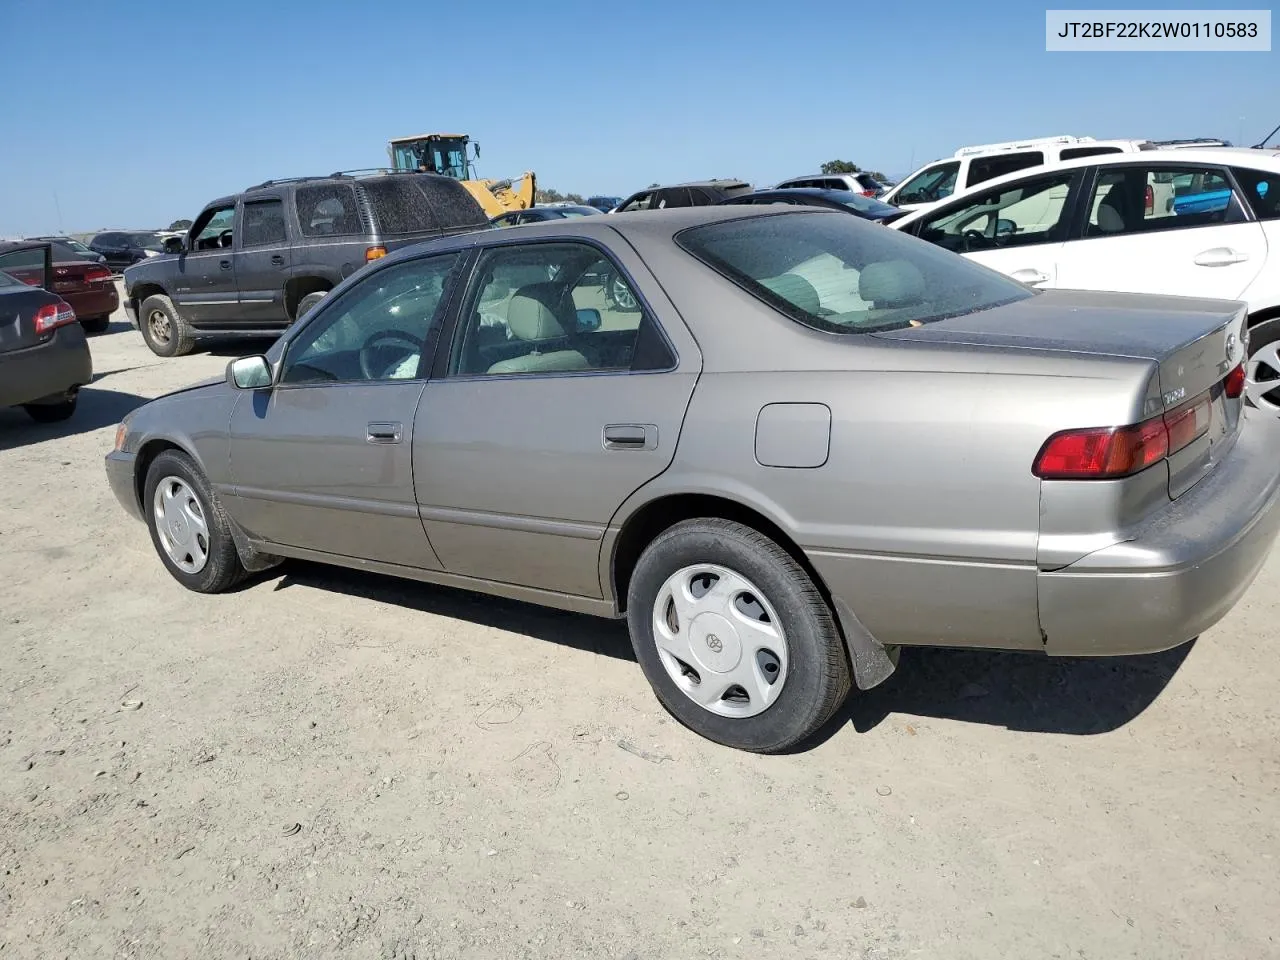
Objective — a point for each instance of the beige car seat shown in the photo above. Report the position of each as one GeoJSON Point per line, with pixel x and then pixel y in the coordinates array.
{"type": "Point", "coordinates": [540, 314]}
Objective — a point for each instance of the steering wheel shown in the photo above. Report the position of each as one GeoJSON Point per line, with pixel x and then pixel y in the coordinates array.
{"type": "Point", "coordinates": [386, 340]}
{"type": "Point", "coordinates": [976, 238]}
{"type": "Point", "coordinates": [224, 238]}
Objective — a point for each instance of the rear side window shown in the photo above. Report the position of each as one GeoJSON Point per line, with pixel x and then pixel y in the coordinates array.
{"type": "Point", "coordinates": [413, 204]}
{"type": "Point", "coordinates": [1261, 191]}
{"type": "Point", "coordinates": [263, 223]}
{"type": "Point", "coordinates": [328, 210]}
{"type": "Point", "coordinates": [997, 165]}
{"type": "Point", "coordinates": [1074, 153]}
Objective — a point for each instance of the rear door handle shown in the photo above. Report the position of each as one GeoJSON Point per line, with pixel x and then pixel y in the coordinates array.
{"type": "Point", "coordinates": [277, 260]}
{"type": "Point", "coordinates": [385, 433]}
{"type": "Point", "coordinates": [1220, 257]}
{"type": "Point", "coordinates": [1030, 275]}
{"type": "Point", "coordinates": [225, 264]}
{"type": "Point", "coordinates": [630, 436]}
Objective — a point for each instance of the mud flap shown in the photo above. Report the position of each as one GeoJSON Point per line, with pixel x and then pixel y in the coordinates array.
{"type": "Point", "coordinates": [873, 663]}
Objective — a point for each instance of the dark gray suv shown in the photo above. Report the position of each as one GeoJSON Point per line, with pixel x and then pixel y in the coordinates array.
{"type": "Point", "coordinates": [253, 263]}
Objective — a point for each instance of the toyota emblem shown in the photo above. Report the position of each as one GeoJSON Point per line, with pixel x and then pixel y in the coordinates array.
{"type": "Point", "coordinates": [715, 643]}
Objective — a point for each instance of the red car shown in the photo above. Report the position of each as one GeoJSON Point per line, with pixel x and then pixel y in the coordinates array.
{"type": "Point", "coordinates": [86, 285]}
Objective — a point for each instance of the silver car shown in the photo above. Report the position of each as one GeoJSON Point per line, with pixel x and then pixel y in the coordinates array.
{"type": "Point", "coordinates": [800, 443]}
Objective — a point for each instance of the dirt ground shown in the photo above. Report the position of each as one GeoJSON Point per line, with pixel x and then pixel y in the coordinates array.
{"type": "Point", "coordinates": [329, 764]}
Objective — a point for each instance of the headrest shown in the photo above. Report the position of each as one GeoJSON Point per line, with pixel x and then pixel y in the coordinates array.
{"type": "Point", "coordinates": [891, 283]}
{"type": "Point", "coordinates": [536, 312]}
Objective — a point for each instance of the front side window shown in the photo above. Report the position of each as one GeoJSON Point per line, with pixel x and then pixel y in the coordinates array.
{"type": "Point", "coordinates": [327, 210]}
{"type": "Point", "coordinates": [1029, 211]}
{"type": "Point", "coordinates": [215, 228]}
{"type": "Point", "coordinates": [930, 184]}
{"type": "Point", "coordinates": [1261, 191]}
{"type": "Point", "coordinates": [640, 202]}
{"type": "Point", "coordinates": [844, 275]}
{"type": "Point", "coordinates": [263, 223]}
{"type": "Point", "coordinates": [376, 330]}
{"type": "Point", "coordinates": [1141, 199]}
{"type": "Point", "coordinates": [982, 169]}
{"type": "Point", "coordinates": [544, 308]}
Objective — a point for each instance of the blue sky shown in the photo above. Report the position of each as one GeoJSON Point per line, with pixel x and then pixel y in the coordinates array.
{"type": "Point", "coordinates": [136, 114]}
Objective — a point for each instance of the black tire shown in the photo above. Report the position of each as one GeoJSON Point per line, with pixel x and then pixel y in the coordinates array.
{"type": "Point", "coordinates": [1262, 335]}
{"type": "Point", "coordinates": [818, 675]}
{"type": "Point", "coordinates": [223, 569]}
{"type": "Point", "coordinates": [173, 338]}
{"type": "Point", "coordinates": [96, 324]}
{"type": "Point", "coordinates": [51, 412]}
{"type": "Point", "coordinates": [307, 302]}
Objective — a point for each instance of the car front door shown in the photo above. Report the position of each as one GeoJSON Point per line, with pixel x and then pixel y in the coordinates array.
{"type": "Point", "coordinates": [205, 288]}
{"type": "Point", "coordinates": [552, 406]}
{"type": "Point", "coordinates": [322, 460]}
{"type": "Point", "coordinates": [1180, 229]}
{"type": "Point", "coordinates": [261, 262]}
{"type": "Point", "coordinates": [1018, 228]}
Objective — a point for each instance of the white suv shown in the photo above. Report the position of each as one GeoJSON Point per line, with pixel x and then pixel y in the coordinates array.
{"type": "Point", "coordinates": [861, 183]}
{"type": "Point", "coordinates": [1187, 222]}
{"type": "Point", "coordinates": [969, 166]}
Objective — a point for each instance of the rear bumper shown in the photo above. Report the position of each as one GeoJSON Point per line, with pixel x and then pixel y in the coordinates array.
{"type": "Point", "coordinates": [48, 370]}
{"type": "Point", "coordinates": [94, 303]}
{"type": "Point", "coordinates": [1180, 573]}
{"type": "Point", "coordinates": [120, 477]}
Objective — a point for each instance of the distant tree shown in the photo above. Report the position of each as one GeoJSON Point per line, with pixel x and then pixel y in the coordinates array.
{"type": "Point", "coordinates": [547, 195]}
{"type": "Point", "coordinates": [180, 225]}
{"type": "Point", "coordinates": [840, 166]}
{"type": "Point", "coordinates": [877, 175]}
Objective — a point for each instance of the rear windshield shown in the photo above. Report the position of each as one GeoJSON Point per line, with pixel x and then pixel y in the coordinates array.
{"type": "Point", "coordinates": [413, 204]}
{"type": "Point", "coordinates": [842, 274]}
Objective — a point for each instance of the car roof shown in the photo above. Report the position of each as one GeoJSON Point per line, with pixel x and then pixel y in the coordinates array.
{"type": "Point", "coordinates": [818, 176]}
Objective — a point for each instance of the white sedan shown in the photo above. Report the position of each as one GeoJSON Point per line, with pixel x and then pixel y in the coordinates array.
{"type": "Point", "coordinates": [1190, 222]}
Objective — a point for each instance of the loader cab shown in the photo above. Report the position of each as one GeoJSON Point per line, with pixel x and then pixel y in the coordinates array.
{"type": "Point", "coordinates": [442, 153]}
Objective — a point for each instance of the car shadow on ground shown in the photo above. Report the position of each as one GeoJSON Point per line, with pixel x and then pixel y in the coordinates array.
{"type": "Point", "coordinates": [97, 408]}
{"type": "Point", "coordinates": [1026, 692]}
{"type": "Point", "coordinates": [608, 638]}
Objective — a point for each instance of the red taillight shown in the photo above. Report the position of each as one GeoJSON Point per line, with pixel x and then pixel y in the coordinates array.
{"type": "Point", "coordinates": [94, 274]}
{"type": "Point", "coordinates": [868, 193]}
{"type": "Point", "coordinates": [1106, 453]}
{"type": "Point", "coordinates": [54, 315]}
{"type": "Point", "coordinates": [1150, 201]}
{"type": "Point", "coordinates": [1234, 384]}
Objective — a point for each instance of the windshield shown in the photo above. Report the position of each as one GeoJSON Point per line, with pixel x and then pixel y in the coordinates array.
{"type": "Point", "coordinates": [147, 241]}
{"type": "Point", "coordinates": [929, 185]}
{"type": "Point", "coordinates": [842, 274]}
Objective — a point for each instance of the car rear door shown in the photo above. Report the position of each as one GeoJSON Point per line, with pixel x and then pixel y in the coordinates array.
{"type": "Point", "coordinates": [553, 405]}
{"type": "Point", "coordinates": [23, 266]}
{"type": "Point", "coordinates": [262, 256]}
{"type": "Point", "coordinates": [1180, 229]}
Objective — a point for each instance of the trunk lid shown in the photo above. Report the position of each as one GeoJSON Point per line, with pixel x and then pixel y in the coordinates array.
{"type": "Point", "coordinates": [1194, 343]}
{"type": "Point", "coordinates": [79, 276]}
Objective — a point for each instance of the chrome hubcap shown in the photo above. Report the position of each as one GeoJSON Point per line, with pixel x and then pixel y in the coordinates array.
{"type": "Point", "coordinates": [720, 640]}
{"type": "Point", "coordinates": [1262, 378]}
{"type": "Point", "coordinates": [180, 525]}
{"type": "Point", "coordinates": [158, 321]}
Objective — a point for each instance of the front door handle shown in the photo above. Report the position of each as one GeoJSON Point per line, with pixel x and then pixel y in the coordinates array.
{"type": "Point", "coordinates": [277, 260]}
{"type": "Point", "coordinates": [1030, 275]}
{"type": "Point", "coordinates": [630, 436]}
{"type": "Point", "coordinates": [1220, 257]}
{"type": "Point", "coordinates": [225, 264]}
{"type": "Point", "coordinates": [385, 433]}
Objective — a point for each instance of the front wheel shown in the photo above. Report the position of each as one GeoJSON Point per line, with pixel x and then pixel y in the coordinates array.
{"type": "Point", "coordinates": [1262, 369]}
{"type": "Point", "coordinates": [734, 636]}
{"type": "Point", "coordinates": [163, 328]}
{"type": "Point", "coordinates": [190, 530]}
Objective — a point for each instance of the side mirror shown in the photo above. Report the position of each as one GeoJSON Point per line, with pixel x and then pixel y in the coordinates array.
{"type": "Point", "coordinates": [173, 245]}
{"type": "Point", "coordinates": [1006, 228]}
{"type": "Point", "coordinates": [588, 320]}
{"type": "Point", "coordinates": [249, 373]}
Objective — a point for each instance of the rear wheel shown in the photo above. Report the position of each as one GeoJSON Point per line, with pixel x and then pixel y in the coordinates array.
{"type": "Point", "coordinates": [96, 324]}
{"type": "Point", "coordinates": [307, 302]}
{"type": "Point", "coordinates": [734, 636]}
{"type": "Point", "coordinates": [163, 328]}
{"type": "Point", "coordinates": [1262, 370]}
{"type": "Point", "coordinates": [189, 528]}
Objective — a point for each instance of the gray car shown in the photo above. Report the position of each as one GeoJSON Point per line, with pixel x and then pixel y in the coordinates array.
{"type": "Point", "coordinates": [807, 442]}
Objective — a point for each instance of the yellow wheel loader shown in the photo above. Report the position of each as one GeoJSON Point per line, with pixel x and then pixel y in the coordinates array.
{"type": "Point", "coordinates": [448, 154]}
